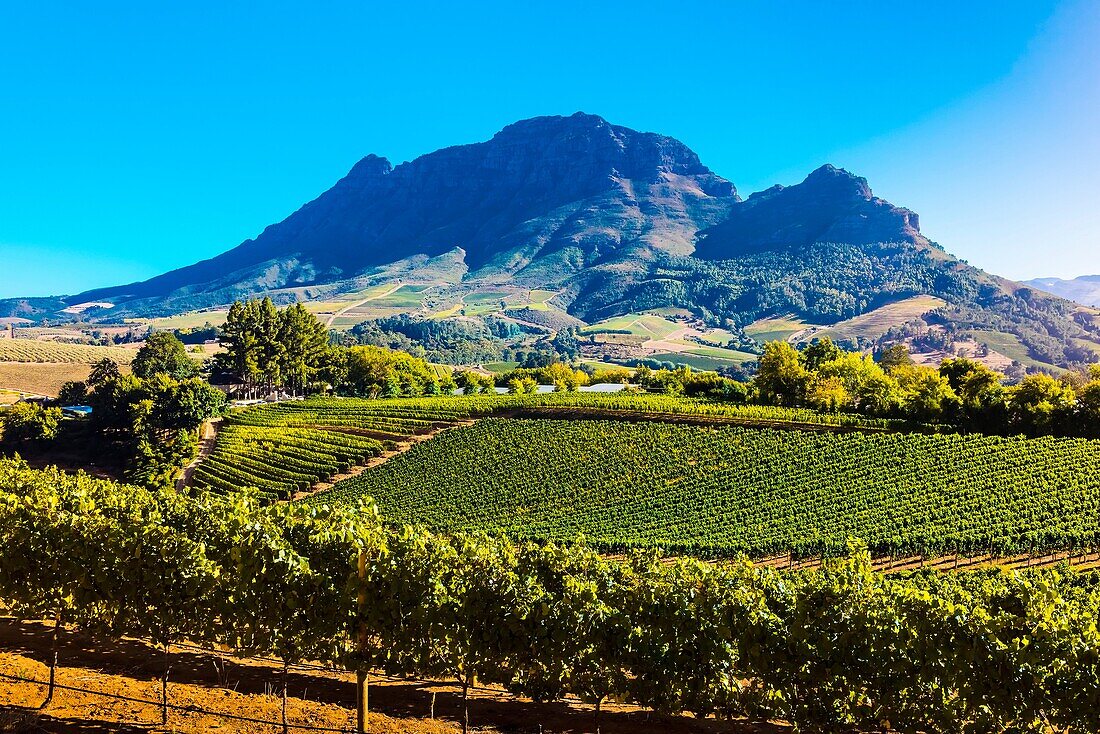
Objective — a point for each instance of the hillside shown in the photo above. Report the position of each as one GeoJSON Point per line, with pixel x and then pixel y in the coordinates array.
{"type": "Point", "coordinates": [601, 221]}
{"type": "Point", "coordinates": [901, 493]}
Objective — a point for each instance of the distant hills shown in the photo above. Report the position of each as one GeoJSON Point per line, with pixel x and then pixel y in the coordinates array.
{"type": "Point", "coordinates": [1085, 289]}
{"type": "Point", "coordinates": [601, 221]}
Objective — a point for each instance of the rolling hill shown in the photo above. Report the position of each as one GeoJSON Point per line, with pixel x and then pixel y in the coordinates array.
{"type": "Point", "coordinates": [1085, 289]}
{"type": "Point", "coordinates": [612, 222]}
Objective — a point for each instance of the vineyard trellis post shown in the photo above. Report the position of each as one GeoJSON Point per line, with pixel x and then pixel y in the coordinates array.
{"type": "Point", "coordinates": [53, 659]}
{"type": "Point", "coordinates": [164, 684]}
{"type": "Point", "coordinates": [286, 682]}
{"type": "Point", "coordinates": [362, 677]}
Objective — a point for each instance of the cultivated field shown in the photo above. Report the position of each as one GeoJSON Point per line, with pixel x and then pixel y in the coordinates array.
{"type": "Point", "coordinates": [729, 489]}
{"type": "Point", "coordinates": [190, 320]}
{"type": "Point", "coordinates": [877, 322]}
{"type": "Point", "coordinates": [1010, 346]}
{"type": "Point", "coordinates": [775, 328]}
{"type": "Point", "coordinates": [290, 447]}
{"type": "Point", "coordinates": [647, 326]}
{"type": "Point", "coordinates": [31, 350]}
{"type": "Point", "coordinates": [42, 378]}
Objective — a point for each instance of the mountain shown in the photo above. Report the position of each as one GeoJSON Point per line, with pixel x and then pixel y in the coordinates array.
{"type": "Point", "coordinates": [543, 198]}
{"type": "Point", "coordinates": [1084, 289]}
{"type": "Point", "coordinates": [605, 221]}
{"type": "Point", "coordinates": [831, 205]}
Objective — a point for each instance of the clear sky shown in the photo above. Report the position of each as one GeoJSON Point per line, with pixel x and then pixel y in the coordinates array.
{"type": "Point", "coordinates": [139, 137]}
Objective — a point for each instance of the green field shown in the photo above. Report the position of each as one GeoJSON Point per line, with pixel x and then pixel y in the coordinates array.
{"type": "Point", "coordinates": [703, 362]}
{"type": "Point", "coordinates": [499, 368]}
{"type": "Point", "coordinates": [643, 325]}
{"type": "Point", "coordinates": [775, 328]}
{"type": "Point", "coordinates": [286, 447]}
{"type": "Point", "coordinates": [538, 300]}
{"type": "Point", "coordinates": [280, 461]}
{"type": "Point", "coordinates": [407, 296]}
{"type": "Point", "coordinates": [190, 320]}
{"type": "Point", "coordinates": [1010, 346]}
{"type": "Point", "coordinates": [447, 312]}
{"type": "Point", "coordinates": [729, 489]}
{"type": "Point", "coordinates": [485, 298]}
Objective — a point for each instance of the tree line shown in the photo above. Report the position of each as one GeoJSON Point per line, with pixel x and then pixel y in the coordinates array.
{"type": "Point", "coordinates": [837, 649]}
{"type": "Point", "coordinates": [959, 393]}
{"type": "Point", "coordinates": [268, 350]}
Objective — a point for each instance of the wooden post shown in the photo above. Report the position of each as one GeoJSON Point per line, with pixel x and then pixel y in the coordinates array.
{"type": "Point", "coordinates": [362, 679]}
{"type": "Point", "coordinates": [286, 668]}
{"type": "Point", "coordinates": [164, 684]}
{"type": "Point", "coordinates": [53, 661]}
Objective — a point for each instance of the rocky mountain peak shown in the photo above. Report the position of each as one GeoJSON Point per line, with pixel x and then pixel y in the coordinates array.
{"type": "Point", "coordinates": [838, 182]}
{"type": "Point", "coordinates": [830, 205]}
{"type": "Point", "coordinates": [370, 166]}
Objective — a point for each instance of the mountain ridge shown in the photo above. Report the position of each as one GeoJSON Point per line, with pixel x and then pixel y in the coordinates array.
{"type": "Point", "coordinates": [613, 221]}
{"type": "Point", "coordinates": [1083, 289]}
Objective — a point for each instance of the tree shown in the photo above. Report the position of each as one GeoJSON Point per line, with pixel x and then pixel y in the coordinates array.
{"type": "Point", "coordinates": [305, 341]}
{"type": "Point", "coordinates": [272, 350]}
{"type": "Point", "coordinates": [820, 352]}
{"type": "Point", "coordinates": [894, 356]}
{"type": "Point", "coordinates": [1040, 403]}
{"type": "Point", "coordinates": [474, 383]}
{"type": "Point", "coordinates": [870, 388]}
{"type": "Point", "coordinates": [1088, 403]}
{"type": "Point", "coordinates": [150, 425]}
{"type": "Point", "coordinates": [522, 386]}
{"type": "Point", "coordinates": [163, 354]}
{"type": "Point", "coordinates": [379, 372]}
{"type": "Point", "coordinates": [30, 424]}
{"type": "Point", "coordinates": [828, 394]}
{"type": "Point", "coordinates": [72, 393]}
{"type": "Point", "coordinates": [925, 393]}
{"type": "Point", "coordinates": [974, 383]}
{"type": "Point", "coordinates": [241, 353]}
{"type": "Point", "coordinates": [102, 371]}
{"type": "Point", "coordinates": [781, 378]}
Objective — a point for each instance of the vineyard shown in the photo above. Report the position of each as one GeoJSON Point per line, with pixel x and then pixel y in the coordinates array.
{"type": "Point", "coordinates": [285, 448]}
{"type": "Point", "coordinates": [938, 653]}
{"type": "Point", "coordinates": [280, 461]}
{"type": "Point", "coordinates": [31, 350]}
{"type": "Point", "coordinates": [727, 490]}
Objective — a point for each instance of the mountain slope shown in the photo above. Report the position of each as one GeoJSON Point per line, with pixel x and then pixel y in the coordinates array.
{"type": "Point", "coordinates": [1084, 289]}
{"type": "Point", "coordinates": [544, 197]}
{"type": "Point", "coordinates": [607, 221]}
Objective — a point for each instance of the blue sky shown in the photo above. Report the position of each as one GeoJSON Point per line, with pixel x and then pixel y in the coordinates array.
{"type": "Point", "coordinates": [139, 137]}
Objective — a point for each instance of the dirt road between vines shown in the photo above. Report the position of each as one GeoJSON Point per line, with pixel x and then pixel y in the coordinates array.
{"type": "Point", "coordinates": [210, 683]}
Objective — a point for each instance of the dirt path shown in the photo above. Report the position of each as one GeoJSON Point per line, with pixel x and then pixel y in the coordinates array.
{"type": "Point", "coordinates": [206, 446]}
{"type": "Point", "coordinates": [222, 683]}
{"type": "Point", "coordinates": [399, 448]}
{"type": "Point", "coordinates": [357, 304]}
